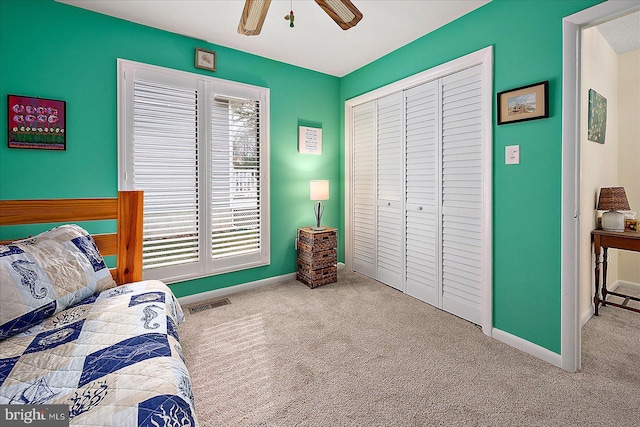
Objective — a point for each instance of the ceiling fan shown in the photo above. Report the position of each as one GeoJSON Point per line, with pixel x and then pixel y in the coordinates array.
{"type": "Point", "coordinates": [343, 12]}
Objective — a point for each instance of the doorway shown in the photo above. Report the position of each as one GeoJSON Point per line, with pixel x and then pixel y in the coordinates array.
{"type": "Point", "coordinates": [574, 219]}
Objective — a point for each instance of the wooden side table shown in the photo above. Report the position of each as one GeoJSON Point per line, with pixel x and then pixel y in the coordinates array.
{"type": "Point", "coordinates": [603, 240]}
{"type": "Point", "coordinates": [317, 256]}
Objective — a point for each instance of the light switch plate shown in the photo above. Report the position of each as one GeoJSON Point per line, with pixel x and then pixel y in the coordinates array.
{"type": "Point", "coordinates": [512, 155]}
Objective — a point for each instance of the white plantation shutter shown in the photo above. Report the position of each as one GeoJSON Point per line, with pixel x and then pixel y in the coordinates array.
{"type": "Point", "coordinates": [364, 190]}
{"type": "Point", "coordinates": [422, 192]}
{"type": "Point", "coordinates": [165, 166]}
{"type": "Point", "coordinates": [235, 177]}
{"type": "Point", "coordinates": [462, 194]}
{"type": "Point", "coordinates": [203, 167]}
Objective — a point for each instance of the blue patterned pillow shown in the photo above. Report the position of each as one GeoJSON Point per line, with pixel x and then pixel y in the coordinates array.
{"type": "Point", "coordinates": [47, 273]}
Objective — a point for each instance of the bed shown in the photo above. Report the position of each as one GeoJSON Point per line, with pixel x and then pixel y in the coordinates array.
{"type": "Point", "coordinates": [74, 332]}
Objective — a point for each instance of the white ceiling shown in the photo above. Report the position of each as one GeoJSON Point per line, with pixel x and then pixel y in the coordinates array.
{"type": "Point", "coordinates": [316, 42]}
{"type": "Point", "coordinates": [623, 34]}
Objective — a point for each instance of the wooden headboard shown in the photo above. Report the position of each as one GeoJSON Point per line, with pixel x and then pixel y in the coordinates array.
{"type": "Point", "coordinates": [125, 243]}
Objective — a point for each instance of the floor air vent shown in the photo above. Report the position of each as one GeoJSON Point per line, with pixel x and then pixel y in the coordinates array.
{"type": "Point", "coordinates": [209, 305]}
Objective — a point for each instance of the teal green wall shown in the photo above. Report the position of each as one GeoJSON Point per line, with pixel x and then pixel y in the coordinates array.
{"type": "Point", "coordinates": [527, 41]}
{"type": "Point", "coordinates": [52, 50]}
{"type": "Point", "coordinates": [56, 51]}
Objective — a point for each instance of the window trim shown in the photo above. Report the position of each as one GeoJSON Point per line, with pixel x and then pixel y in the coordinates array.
{"type": "Point", "coordinates": [207, 87]}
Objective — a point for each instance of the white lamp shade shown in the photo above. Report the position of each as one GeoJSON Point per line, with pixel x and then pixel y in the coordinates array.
{"type": "Point", "coordinates": [319, 190]}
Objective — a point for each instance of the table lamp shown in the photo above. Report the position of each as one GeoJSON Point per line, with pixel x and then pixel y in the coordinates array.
{"type": "Point", "coordinates": [319, 190]}
{"type": "Point", "coordinates": [611, 200]}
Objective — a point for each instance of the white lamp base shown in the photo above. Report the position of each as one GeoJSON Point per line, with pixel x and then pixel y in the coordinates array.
{"type": "Point", "coordinates": [613, 221]}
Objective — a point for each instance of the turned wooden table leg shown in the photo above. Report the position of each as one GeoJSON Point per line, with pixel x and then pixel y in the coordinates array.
{"type": "Point", "coordinates": [603, 298]}
{"type": "Point", "coordinates": [596, 250]}
{"type": "Point", "coordinates": [596, 295]}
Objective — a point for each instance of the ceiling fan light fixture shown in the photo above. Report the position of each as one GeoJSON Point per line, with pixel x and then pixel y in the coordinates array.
{"type": "Point", "coordinates": [252, 18]}
{"type": "Point", "coordinates": [343, 12]}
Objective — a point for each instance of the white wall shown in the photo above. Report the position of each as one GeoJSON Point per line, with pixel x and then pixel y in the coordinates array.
{"type": "Point", "coordinates": [629, 150]}
{"type": "Point", "coordinates": [599, 162]}
{"type": "Point", "coordinates": [614, 163]}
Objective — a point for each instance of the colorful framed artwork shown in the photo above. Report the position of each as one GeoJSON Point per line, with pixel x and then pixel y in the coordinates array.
{"type": "Point", "coordinates": [597, 121]}
{"type": "Point", "coordinates": [205, 59]}
{"type": "Point", "coordinates": [529, 102]}
{"type": "Point", "coordinates": [36, 123]}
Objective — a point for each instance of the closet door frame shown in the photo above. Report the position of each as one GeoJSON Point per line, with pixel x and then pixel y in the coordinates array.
{"type": "Point", "coordinates": [484, 58]}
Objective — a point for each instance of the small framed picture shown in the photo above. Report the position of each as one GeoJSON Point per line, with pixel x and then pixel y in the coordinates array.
{"type": "Point", "coordinates": [36, 123]}
{"type": "Point", "coordinates": [597, 121]}
{"type": "Point", "coordinates": [529, 102]}
{"type": "Point", "coordinates": [205, 59]}
{"type": "Point", "coordinates": [309, 140]}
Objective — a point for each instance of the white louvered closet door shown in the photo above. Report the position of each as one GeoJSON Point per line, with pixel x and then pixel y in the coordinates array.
{"type": "Point", "coordinates": [421, 186]}
{"type": "Point", "coordinates": [390, 227]}
{"type": "Point", "coordinates": [462, 194]}
{"type": "Point", "coordinates": [422, 248]}
{"type": "Point", "coordinates": [364, 189]}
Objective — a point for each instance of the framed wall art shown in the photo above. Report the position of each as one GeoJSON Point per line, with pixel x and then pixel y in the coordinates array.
{"type": "Point", "coordinates": [205, 59]}
{"type": "Point", "coordinates": [309, 140]}
{"type": "Point", "coordinates": [36, 123]}
{"type": "Point", "coordinates": [529, 102]}
{"type": "Point", "coordinates": [597, 121]}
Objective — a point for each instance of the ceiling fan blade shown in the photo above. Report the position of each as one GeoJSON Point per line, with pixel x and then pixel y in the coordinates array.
{"type": "Point", "coordinates": [343, 12]}
{"type": "Point", "coordinates": [253, 16]}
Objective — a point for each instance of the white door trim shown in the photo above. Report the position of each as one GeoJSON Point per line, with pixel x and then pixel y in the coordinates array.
{"type": "Point", "coordinates": [483, 57]}
{"type": "Point", "coordinates": [572, 27]}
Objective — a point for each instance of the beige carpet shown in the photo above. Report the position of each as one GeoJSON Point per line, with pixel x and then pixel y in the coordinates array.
{"type": "Point", "coordinates": [359, 353]}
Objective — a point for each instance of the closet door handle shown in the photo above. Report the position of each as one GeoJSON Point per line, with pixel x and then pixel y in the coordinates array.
{"type": "Point", "coordinates": [419, 208]}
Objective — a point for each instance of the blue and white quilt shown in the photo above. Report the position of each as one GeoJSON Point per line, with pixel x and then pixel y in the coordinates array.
{"type": "Point", "coordinates": [114, 358]}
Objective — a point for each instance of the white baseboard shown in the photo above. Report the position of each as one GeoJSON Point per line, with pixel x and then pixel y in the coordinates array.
{"type": "Point", "coordinates": [528, 347]}
{"type": "Point", "coordinates": [586, 315]}
{"type": "Point", "coordinates": [632, 285]}
{"type": "Point", "coordinates": [218, 293]}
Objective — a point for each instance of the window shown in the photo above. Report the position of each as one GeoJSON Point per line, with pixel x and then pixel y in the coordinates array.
{"type": "Point", "coordinates": [198, 148]}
